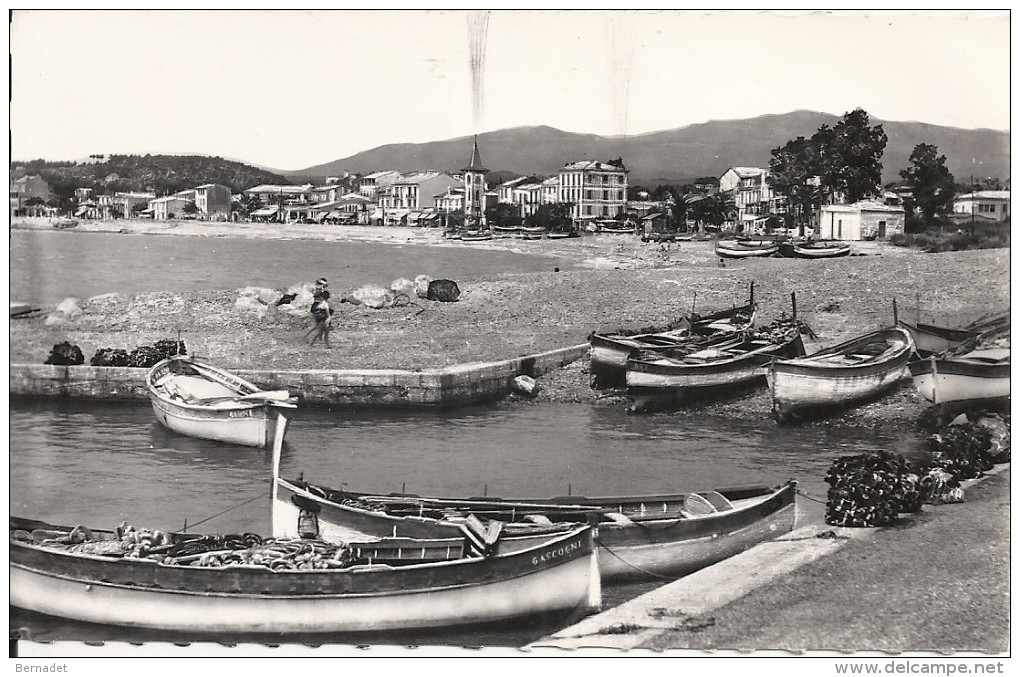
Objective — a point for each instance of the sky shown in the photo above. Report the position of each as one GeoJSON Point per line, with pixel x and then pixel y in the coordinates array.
{"type": "Point", "coordinates": [292, 89]}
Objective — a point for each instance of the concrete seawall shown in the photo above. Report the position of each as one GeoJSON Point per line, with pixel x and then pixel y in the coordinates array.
{"type": "Point", "coordinates": [458, 385]}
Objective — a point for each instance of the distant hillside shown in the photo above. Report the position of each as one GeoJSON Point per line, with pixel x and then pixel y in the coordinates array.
{"type": "Point", "coordinates": [159, 174]}
{"type": "Point", "coordinates": [705, 149]}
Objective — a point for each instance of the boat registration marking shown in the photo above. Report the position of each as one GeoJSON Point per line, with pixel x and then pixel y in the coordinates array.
{"type": "Point", "coordinates": [556, 553]}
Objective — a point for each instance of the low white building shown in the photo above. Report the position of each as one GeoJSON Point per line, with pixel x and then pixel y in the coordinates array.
{"type": "Point", "coordinates": [864, 220]}
{"type": "Point", "coordinates": [991, 204]}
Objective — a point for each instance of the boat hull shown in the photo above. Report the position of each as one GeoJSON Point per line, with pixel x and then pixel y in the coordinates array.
{"type": "Point", "coordinates": [559, 576]}
{"type": "Point", "coordinates": [947, 381]}
{"type": "Point", "coordinates": [930, 339]}
{"type": "Point", "coordinates": [735, 251]}
{"type": "Point", "coordinates": [254, 426]}
{"type": "Point", "coordinates": [222, 418]}
{"type": "Point", "coordinates": [640, 549]}
{"type": "Point", "coordinates": [808, 252]}
{"type": "Point", "coordinates": [800, 385]}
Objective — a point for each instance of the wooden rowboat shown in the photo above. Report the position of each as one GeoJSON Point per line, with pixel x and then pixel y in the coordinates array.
{"type": "Point", "coordinates": [610, 350]}
{"type": "Point", "coordinates": [742, 249]}
{"type": "Point", "coordinates": [931, 339]}
{"type": "Point", "coordinates": [197, 399]}
{"type": "Point", "coordinates": [303, 586]}
{"type": "Point", "coordinates": [639, 537]}
{"type": "Point", "coordinates": [835, 377]}
{"type": "Point", "coordinates": [532, 232]}
{"type": "Point", "coordinates": [658, 377]}
{"type": "Point", "coordinates": [821, 249]}
{"type": "Point", "coordinates": [476, 235]}
{"type": "Point", "coordinates": [976, 376]}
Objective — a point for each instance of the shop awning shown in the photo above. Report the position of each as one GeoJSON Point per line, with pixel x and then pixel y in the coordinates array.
{"type": "Point", "coordinates": [266, 211]}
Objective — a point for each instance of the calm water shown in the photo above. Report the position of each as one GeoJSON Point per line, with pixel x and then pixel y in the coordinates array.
{"type": "Point", "coordinates": [49, 266]}
{"type": "Point", "coordinates": [79, 463]}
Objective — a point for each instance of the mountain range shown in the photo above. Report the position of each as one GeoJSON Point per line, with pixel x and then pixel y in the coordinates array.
{"type": "Point", "coordinates": [675, 155]}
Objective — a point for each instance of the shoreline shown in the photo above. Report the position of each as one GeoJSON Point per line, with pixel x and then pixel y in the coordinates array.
{"type": "Point", "coordinates": [614, 282]}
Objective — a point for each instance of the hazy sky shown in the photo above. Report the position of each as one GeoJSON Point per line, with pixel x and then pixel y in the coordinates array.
{"type": "Point", "coordinates": [290, 89]}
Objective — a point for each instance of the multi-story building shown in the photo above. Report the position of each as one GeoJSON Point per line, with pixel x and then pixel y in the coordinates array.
{"type": "Point", "coordinates": [212, 200]}
{"type": "Point", "coordinates": [598, 190]}
{"type": "Point", "coordinates": [505, 190]}
{"type": "Point", "coordinates": [26, 188]}
{"type": "Point", "coordinates": [550, 190]}
{"type": "Point", "coordinates": [369, 184]}
{"type": "Point", "coordinates": [528, 196]}
{"type": "Point", "coordinates": [169, 207]}
{"type": "Point", "coordinates": [752, 195]}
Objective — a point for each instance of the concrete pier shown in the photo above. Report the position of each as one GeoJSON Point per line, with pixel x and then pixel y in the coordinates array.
{"type": "Point", "coordinates": [459, 385]}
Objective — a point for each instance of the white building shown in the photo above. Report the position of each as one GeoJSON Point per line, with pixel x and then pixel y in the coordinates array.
{"type": "Point", "coordinates": [993, 205]}
{"type": "Point", "coordinates": [864, 220]}
{"type": "Point", "coordinates": [597, 190]}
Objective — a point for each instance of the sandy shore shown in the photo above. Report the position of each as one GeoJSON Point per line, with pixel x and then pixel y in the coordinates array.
{"type": "Point", "coordinates": [619, 282]}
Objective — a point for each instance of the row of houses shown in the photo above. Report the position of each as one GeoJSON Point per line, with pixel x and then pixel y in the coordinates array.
{"type": "Point", "coordinates": [596, 190]}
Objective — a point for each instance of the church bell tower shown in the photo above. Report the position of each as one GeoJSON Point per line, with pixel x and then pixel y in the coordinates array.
{"type": "Point", "coordinates": [474, 190]}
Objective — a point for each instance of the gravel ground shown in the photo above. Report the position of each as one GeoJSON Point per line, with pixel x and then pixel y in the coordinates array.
{"type": "Point", "coordinates": [937, 582]}
{"type": "Point", "coordinates": [621, 283]}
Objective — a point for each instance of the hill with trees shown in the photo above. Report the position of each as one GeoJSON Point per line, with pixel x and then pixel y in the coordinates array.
{"type": "Point", "coordinates": [159, 174]}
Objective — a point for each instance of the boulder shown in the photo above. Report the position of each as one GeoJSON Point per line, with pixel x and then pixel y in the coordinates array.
{"type": "Point", "coordinates": [251, 303]}
{"type": "Point", "coordinates": [55, 320]}
{"type": "Point", "coordinates": [264, 294]}
{"type": "Point", "coordinates": [446, 291]}
{"type": "Point", "coordinates": [69, 307]}
{"type": "Point", "coordinates": [421, 286]}
{"type": "Point", "coordinates": [525, 385]}
{"type": "Point", "coordinates": [103, 298]}
{"type": "Point", "coordinates": [403, 286]}
{"type": "Point", "coordinates": [371, 296]}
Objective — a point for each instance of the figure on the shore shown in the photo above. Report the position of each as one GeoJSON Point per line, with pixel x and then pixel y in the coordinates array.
{"type": "Point", "coordinates": [321, 313]}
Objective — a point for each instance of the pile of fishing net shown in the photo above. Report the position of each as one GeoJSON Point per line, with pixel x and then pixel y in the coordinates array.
{"type": "Point", "coordinates": [870, 490]}
{"type": "Point", "coordinates": [780, 330]}
{"type": "Point", "coordinates": [196, 550]}
{"type": "Point", "coordinates": [142, 356]}
{"type": "Point", "coordinates": [969, 449]}
{"type": "Point", "coordinates": [65, 354]}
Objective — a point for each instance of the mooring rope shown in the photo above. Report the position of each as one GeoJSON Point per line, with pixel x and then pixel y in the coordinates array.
{"type": "Point", "coordinates": [810, 498]}
{"type": "Point", "coordinates": [223, 512]}
{"type": "Point", "coordinates": [633, 566]}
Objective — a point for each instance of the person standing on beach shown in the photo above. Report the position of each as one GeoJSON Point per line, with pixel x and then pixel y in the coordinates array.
{"type": "Point", "coordinates": [321, 313]}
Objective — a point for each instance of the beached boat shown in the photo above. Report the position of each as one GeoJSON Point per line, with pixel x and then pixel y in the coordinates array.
{"type": "Point", "coordinates": [505, 231]}
{"type": "Point", "coordinates": [610, 350]}
{"type": "Point", "coordinates": [616, 227]}
{"type": "Point", "coordinates": [663, 376]}
{"type": "Point", "coordinates": [931, 339]}
{"type": "Point", "coordinates": [821, 249]}
{"type": "Point", "coordinates": [856, 370]}
{"type": "Point", "coordinates": [532, 232]}
{"type": "Point", "coordinates": [656, 536]}
{"type": "Point", "coordinates": [249, 585]}
{"type": "Point", "coordinates": [742, 249]}
{"type": "Point", "coordinates": [974, 372]}
{"type": "Point", "coordinates": [476, 235]}
{"type": "Point", "coordinates": [23, 310]}
{"type": "Point", "coordinates": [197, 399]}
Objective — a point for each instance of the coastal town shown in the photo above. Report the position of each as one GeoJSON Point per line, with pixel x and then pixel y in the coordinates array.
{"type": "Point", "coordinates": [733, 387]}
{"type": "Point", "coordinates": [589, 196]}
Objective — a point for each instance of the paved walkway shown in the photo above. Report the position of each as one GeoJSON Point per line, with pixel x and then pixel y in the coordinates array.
{"type": "Point", "coordinates": [938, 581]}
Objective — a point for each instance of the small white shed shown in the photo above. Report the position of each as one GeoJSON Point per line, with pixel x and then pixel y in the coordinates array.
{"type": "Point", "coordinates": [865, 220]}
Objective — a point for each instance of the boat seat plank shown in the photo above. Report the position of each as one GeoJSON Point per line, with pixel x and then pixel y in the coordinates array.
{"type": "Point", "coordinates": [720, 502]}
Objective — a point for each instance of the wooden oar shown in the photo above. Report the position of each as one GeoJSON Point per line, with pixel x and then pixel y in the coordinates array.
{"type": "Point", "coordinates": [277, 398]}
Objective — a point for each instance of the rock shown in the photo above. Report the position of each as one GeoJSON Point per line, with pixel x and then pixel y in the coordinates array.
{"type": "Point", "coordinates": [103, 298]}
{"type": "Point", "coordinates": [69, 307]}
{"type": "Point", "coordinates": [403, 286]}
{"type": "Point", "coordinates": [263, 294]}
{"type": "Point", "coordinates": [525, 385]}
{"type": "Point", "coordinates": [446, 291]}
{"type": "Point", "coordinates": [960, 420]}
{"type": "Point", "coordinates": [251, 303]}
{"type": "Point", "coordinates": [421, 285]}
{"type": "Point", "coordinates": [55, 320]}
{"type": "Point", "coordinates": [371, 296]}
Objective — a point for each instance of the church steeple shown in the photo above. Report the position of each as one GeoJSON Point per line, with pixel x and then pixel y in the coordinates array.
{"type": "Point", "coordinates": [474, 189]}
{"type": "Point", "coordinates": [476, 160]}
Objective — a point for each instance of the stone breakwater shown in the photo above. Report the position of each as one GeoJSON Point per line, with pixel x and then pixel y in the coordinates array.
{"type": "Point", "coordinates": [453, 386]}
